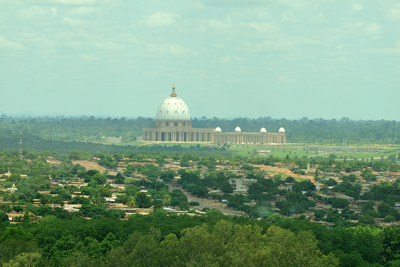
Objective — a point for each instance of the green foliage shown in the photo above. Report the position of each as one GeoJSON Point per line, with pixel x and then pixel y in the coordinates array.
{"type": "Point", "coordinates": [14, 177]}
{"type": "Point", "coordinates": [383, 192]}
{"type": "Point", "coordinates": [25, 259]}
{"type": "Point", "coordinates": [142, 200]}
{"type": "Point", "coordinates": [303, 130]}
{"type": "Point", "coordinates": [78, 155]}
{"type": "Point", "coordinates": [222, 240]}
{"type": "Point", "coordinates": [167, 176]}
{"type": "Point", "coordinates": [348, 189]}
{"type": "Point", "coordinates": [290, 179]}
{"type": "Point", "coordinates": [63, 239]}
{"type": "Point", "coordinates": [340, 203]}
{"type": "Point", "coordinates": [99, 179]}
{"type": "Point", "coordinates": [306, 185]}
{"type": "Point", "coordinates": [119, 179]}
{"type": "Point", "coordinates": [226, 187]}
{"type": "Point", "coordinates": [296, 202]}
{"type": "Point", "coordinates": [331, 182]}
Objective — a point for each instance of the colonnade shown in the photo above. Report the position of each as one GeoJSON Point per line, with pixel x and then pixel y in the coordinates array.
{"type": "Point", "coordinates": [250, 138]}
{"type": "Point", "coordinates": [166, 135]}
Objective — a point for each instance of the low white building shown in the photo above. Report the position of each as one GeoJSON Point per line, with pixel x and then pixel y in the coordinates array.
{"type": "Point", "coordinates": [241, 185]}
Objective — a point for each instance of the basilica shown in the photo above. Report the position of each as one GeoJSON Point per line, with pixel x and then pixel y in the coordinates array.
{"type": "Point", "coordinates": [173, 124]}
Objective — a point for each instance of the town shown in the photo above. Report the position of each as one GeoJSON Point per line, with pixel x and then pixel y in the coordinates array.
{"type": "Point", "coordinates": [322, 190]}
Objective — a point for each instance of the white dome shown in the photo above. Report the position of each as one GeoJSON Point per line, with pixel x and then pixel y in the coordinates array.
{"type": "Point", "coordinates": [237, 129]}
{"type": "Point", "coordinates": [173, 108]}
{"type": "Point", "coordinates": [281, 130]}
{"type": "Point", "coordinates": [218, 130]}
{"type": "Point", "coordinates": [263, 130]}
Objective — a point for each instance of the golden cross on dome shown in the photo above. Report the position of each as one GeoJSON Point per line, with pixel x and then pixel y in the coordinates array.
{"type": "Point", "coordinates": [173, 91]}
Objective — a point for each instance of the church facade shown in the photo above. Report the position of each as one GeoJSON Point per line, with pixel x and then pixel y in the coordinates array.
{"type": "Point", "coordinates": [173, 124]}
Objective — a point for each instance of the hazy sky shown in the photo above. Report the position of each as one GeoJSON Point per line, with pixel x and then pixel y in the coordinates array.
{"type": "Point", "coordinates": [227, 58]}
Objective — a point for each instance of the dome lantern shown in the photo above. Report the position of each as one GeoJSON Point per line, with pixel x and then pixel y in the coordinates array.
{"type": "Point", "coordinates": [173, 94]}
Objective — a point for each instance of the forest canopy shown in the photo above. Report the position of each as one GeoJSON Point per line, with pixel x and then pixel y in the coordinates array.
{"type": "Point", "coordinates": [304, 130]}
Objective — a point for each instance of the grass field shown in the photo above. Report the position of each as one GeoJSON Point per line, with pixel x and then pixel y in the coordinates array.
{"type": "Point", "coordinates": [281, 150]}
{"type": "Point", "coordinates": [299, 150]}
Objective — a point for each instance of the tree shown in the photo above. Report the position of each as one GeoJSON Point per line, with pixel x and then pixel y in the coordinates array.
{"type": "Point", "coordinates": [99, 178]}
{"type": "Point", "coordinates": [368, 206]}
{"type": "Point", "coordinates": [25, 259]}
{"type": "Point", "coordinates": [256, 191]}
{"type": "Point", "coordinates": [15, 242]}
{"type": "Point", "coordinates": [167, 176]}
{"type": "Point", "coordinates": [367, 220]}
{"type": "Point", "coordinates": [289, 249]}
{"type": "Point", "coordinates": [340, 203]}
{"type": "Point", "coordinates": [226, 187]}
{"type": "Point", "coordinates": [169, 248]}
{"type": "Point", "coordinates": [290, 179]}
{"type": "Point", "coordinates": [319, 214]}
{"type": "Point", "coordinates": [130, 202]}
{"type": "Point", "coordinates": [18, 208]}
{"type": "Point", "coordinates": [331, 182]}
{"type": "Point", "coordinates": [368, 176]}
{"type": "Point", "coordinates": [351, 259]}
{"type": "Point", "coordinates": [166, 198]}
{"type": "Point", "coordinates": [71, 188]}
{"type": "Point", "coordinates": [391, 243]}
{"type": "Point", "coordinates": [183, 205]}
{"type": "Point", "coordinates": [15, 177]}
{"type": "Point", "coordinates": [97, 200]}
{"type": "Point", "coordinates": [368, 242]}
{"type": "Point", "coordinates": [385, 208]}
{"type": "Point", "coordinates": [104, 191]}
{"type": "Point", "coordinates": [142, 200]}
{"type": "Point", "coordinates": [119, 179]}
{"type": "Point", "coordinates": [389, 218]}
{"type": "Point", "coordinates": [78, 155]}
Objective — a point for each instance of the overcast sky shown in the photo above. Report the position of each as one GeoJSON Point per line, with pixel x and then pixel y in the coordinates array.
{"type": "Point", "coordinates": [227, 58]}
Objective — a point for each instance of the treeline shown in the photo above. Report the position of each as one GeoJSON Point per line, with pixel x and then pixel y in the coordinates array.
{"type": "Point", "coordinates": [38, 144]}
{"type": "Point", "coordinates": [159, 240]}
{"type": "Point", "coordinates": [209, 240]}
{"type": "Point", "coordinates": [75, 128]}
{"type": "Point", "coordinates": [306, 130]}
{"type": "Point", "coordinates": [320, 130]}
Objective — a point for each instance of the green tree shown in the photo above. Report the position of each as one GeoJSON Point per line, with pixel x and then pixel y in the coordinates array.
{"type": "Point", "coordinates": [340, 203]}
{"type": "Point", "coordinates": [319, 214]}
{"type": "Point", "coordinates": [18, 208]}
{"type": "Point", "coordinates": [385, 208]}
{"type": "Point", "coordinates": [288, 249]}
{"type": "Point", "coordinates": [25, 259]}
{"type": "Point", "coordinates": [166, 198]}
{"type": "Point", "coordinates": [14, 177]}
{"type": "Point", "coordinates": [142, 200]}
{"type": "Point", "coordinates": [226, 187]}
{"type": "Point", "coordinates": [119, 179]}
{"type": "Point", "coordinates": [130, 202]}
{"type": "Point", "coordinates": [99, 178]}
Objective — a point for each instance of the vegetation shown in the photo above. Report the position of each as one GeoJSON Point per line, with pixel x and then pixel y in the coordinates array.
{"type": "Point", "coordinates": [304, 130]}
{"type": "Point", "coordinates": [44, 233]}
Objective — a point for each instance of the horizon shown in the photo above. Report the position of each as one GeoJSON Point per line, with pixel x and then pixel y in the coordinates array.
{"type": "Point", "coordinates": [59, 116]}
